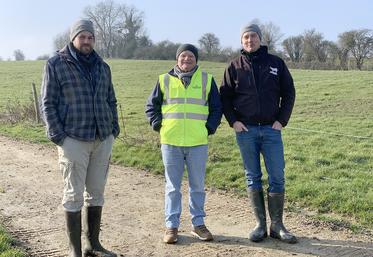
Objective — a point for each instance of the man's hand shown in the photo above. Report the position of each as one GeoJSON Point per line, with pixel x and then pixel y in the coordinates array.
{"type": "Point", "coordinates": [277, 125]}
{"type": "Point", "coordinates": [239, 127]}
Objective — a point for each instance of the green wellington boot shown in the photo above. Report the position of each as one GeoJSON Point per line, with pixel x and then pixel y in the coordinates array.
{"type": "Point", "coordinates": [276, 208]}
{"type": "Point", "coordinates": [256, 198]}
{"type": "Point", "coordinates": [74, 231]}
{"type": "Point", "coordinates": [92, 225]}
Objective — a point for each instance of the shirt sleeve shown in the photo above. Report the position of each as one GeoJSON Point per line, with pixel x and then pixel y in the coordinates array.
{"type": "Point", "coordinates": [50, 96]}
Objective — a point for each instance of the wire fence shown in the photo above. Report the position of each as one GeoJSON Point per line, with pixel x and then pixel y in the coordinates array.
{"type": "Point", "coordinates": [329, 133]}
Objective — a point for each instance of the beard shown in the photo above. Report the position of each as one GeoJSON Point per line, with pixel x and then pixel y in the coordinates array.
{"type": "Point", "coordinates": [86, 49]}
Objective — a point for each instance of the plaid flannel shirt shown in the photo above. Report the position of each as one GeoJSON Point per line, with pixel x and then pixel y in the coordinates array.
{"type": "Point", "coordinates": [71, 106]}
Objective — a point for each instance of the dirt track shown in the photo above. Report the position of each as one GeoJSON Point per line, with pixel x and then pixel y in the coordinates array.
{"type": "Point", "coordinates": [30, 195]}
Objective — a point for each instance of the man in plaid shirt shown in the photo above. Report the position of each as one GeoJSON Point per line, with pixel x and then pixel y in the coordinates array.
{"type": "Point", "coordinates": [80, 111]}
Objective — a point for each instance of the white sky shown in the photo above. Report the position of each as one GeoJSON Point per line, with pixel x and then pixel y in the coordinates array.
{"type": "Point", "coordinates": [31, 25]}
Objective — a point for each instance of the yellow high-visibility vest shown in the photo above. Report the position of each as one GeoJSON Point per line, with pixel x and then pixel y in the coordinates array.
{"type": "Point", "coordinates": [185, 110]}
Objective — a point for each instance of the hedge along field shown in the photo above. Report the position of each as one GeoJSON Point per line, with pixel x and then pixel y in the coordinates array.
{"type": "Point", "coordinates": [328, 141]}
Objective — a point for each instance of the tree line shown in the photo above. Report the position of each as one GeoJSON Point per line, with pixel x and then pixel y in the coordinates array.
{"type": "Point", "coordinates": [120, 33]}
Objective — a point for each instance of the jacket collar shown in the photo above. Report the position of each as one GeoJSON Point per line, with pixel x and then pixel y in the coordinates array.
{"type": "Point", "coordinates": [67, 54]}
{"type": "Point", "coordinates": [262, 51]}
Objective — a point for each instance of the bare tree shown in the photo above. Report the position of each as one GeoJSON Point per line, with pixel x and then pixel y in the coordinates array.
{"type": "Point", "coordinates": [293, 47]}
{"type": "Point", "coordinates": [315, 47]}
{"type": "Point", "coordinates": [345, 44]}
{"type": "Point", "coordinates": [271, 35]}
{"type": "Point", "coordinates": [130, 31]}
{"type": "Point", "coordinates": [19, 55]}
{"type": "Point", "coordinates": [333, 52]}
{"type": "Point", "coordinates": [106, 18]}
{"type": "Point", "coordinates": [119, 28]}
{"type": "Point", "coordinates": [209, 44]}
{"type": "Point", "coordinates": [61, 40]}
{"type": "Point", "coordinates": [360, 43]}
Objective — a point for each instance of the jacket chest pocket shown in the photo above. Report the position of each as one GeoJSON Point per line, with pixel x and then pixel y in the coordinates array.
{"type": "Point", "coordinates": [245, 82]}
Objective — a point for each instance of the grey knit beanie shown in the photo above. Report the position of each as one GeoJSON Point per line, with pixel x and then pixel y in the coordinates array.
{"type": "Point", "coordinates": [79, 26]}
{"type": "Point", "coordinates": [251, 27]}
{"type": "Point", "coordinates": [187, 47]}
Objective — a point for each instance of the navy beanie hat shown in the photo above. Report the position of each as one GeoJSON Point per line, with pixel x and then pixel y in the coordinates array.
{"type": "Point", "coordinates": [187, 47]}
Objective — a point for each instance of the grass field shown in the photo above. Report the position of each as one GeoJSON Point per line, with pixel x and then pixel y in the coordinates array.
{"type": "Point", "coordinates": [328, 141]}
{"type": "Point", "coordinates": [6, 246]}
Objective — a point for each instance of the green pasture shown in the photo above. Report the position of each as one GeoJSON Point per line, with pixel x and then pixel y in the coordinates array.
{"type": "Point", "coordinates": [328, 141]}
{"type": "Point", "coordinates": [7, 248]}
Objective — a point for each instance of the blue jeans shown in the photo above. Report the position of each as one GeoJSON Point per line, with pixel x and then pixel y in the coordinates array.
{"type": "Point", "coordinates": [268, 142]}
{"type": "Point", "coordinates": [174, 159]}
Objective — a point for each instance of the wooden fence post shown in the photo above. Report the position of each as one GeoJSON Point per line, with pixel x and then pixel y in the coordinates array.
{"type": "Point", "coordinates": [122, 119]}
{"type": "Point", "coordinates": [36, 103]}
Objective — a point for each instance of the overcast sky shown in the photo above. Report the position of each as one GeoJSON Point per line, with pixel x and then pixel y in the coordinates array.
{"type": "Point", "coordinates": [31, 25]}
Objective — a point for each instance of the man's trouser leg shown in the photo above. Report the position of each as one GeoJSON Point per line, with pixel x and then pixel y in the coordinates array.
{"type": "Point", "coordinates": [173, 161]}
{"type": "Point", "coordinates": [196, 158]}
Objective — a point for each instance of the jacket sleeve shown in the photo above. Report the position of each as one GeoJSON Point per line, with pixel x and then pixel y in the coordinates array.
{"type": "Point", "coordinates": [153, 108]}
{"type": "Point", "coordinates": [112, 100]}
{"type": "Point", "coordinates": [227, 94]}
{"type": "Point", "coordinates": [287, 96]}
{"type": "Point", "coordinates": [215, 109]}
{"type": "Point", "coordinates": [50, 97]}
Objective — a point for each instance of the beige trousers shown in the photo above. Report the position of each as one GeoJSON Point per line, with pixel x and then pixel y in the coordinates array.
{"type": "Point", "coordinates": [84, 167]}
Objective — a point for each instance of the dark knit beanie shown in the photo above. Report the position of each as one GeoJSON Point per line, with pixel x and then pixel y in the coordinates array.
{"type": "Point", "coordinates": [79, 26]}
{"type": "Point", "coordinates": [251, 27]}
{"type": "Point", "coordinates": [187, 47]}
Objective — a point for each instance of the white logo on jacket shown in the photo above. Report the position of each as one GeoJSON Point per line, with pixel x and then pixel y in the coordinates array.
{"type": "Point", "coordinates": [273, 70]}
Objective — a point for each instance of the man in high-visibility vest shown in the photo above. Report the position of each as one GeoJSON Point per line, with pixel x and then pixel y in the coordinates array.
{"type": "Point", "coordinates": [185, 108]}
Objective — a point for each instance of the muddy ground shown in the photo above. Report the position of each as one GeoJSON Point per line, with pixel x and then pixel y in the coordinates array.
{"type": "Point", "coordinates": [30, 196]}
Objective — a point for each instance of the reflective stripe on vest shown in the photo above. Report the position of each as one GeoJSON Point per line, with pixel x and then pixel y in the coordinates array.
{"type": "Point", "coordinates": [177, 115]}
{"type": "Point", "coordinates": [168, 100]}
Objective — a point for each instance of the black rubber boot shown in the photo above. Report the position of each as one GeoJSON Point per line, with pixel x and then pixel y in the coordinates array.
{"type": "Point", "coordinates": [74, 231]}
{"type": "Point", "coordinates": [92, 226]}
{"type": "Point", "coordinates": [276, 209]}
{"type": "Point", "coordinates": [256, 198]}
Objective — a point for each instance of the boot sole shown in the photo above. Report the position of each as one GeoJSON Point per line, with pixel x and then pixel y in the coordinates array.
{"type": "Point", "coordinates": [259, 239]}
{"type": "Point", "coordinates": [90, 253]}
{"type": "Point", "coordinates": [289, 241]}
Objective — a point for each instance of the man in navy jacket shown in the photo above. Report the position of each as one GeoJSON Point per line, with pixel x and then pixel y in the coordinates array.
{"type": "Point", "coordinates": [258, 97]}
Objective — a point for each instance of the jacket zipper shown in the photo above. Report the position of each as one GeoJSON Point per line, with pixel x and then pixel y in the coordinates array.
{"type": "Point", "coordinates": [256, 89]}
